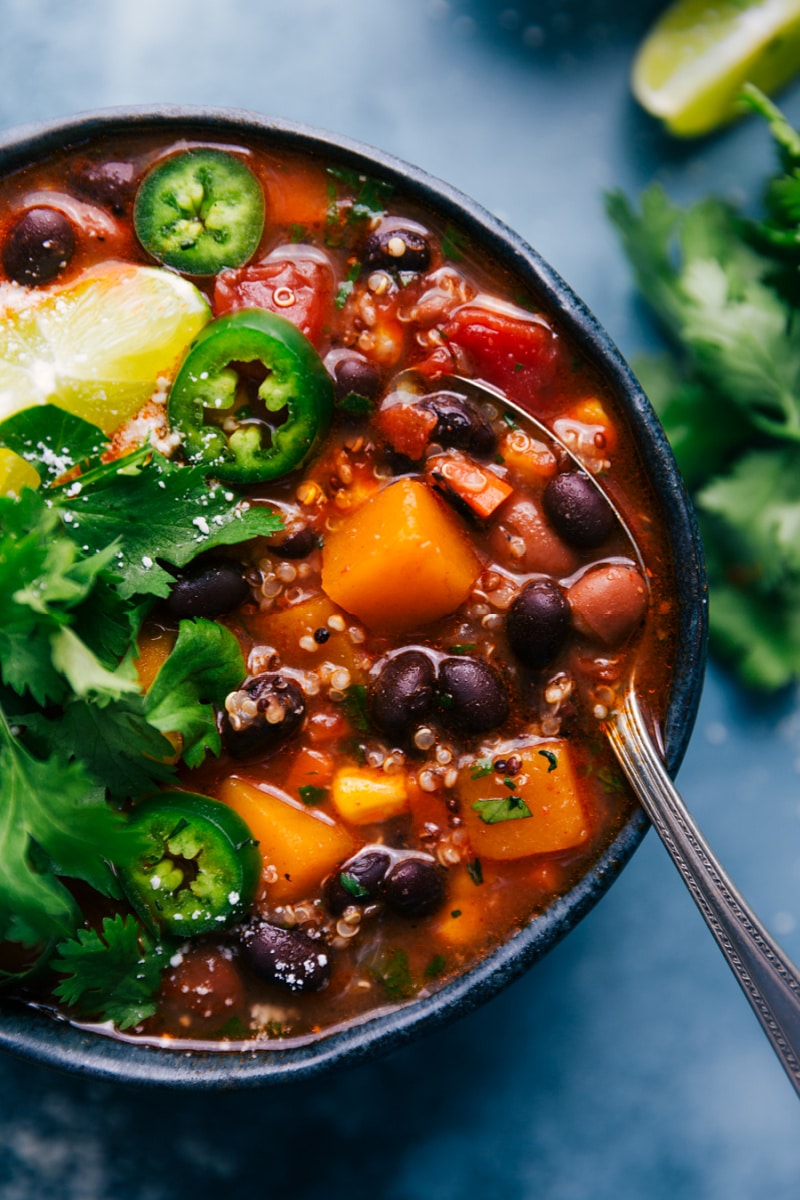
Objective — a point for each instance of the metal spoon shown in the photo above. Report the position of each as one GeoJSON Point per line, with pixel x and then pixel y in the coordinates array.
{"type": "Point", "coordinates": [766, 975]}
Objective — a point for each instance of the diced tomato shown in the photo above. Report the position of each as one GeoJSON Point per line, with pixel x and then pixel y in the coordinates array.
{"type": "Point", "coordinates": [300, 289]}
{"type": "Point", "coordinates": [407, 428]}
{"type": "Point", "coordinates": [516, 355]}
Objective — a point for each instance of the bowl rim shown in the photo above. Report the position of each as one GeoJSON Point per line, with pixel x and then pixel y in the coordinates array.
{"type": "Point", "coordinates": [37, 1036]}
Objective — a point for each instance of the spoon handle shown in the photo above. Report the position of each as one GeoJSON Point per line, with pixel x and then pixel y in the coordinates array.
{"type": "Point", "coordinates": [767, 977]}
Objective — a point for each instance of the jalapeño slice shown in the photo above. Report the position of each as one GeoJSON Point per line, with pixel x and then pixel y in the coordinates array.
{"type": "Point", "coordinates": [200, 211]}
{"type": "Point", "coordinates": [247, 436]}
{"type": "Point", "coordinates": [199, 868]}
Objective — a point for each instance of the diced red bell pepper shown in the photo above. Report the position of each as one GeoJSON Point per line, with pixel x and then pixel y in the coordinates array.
{"type": "Point", "coordinates": [300, 289]}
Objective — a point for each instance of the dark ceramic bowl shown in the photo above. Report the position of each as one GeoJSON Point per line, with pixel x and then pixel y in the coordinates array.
{"type": "Point", "coordinates": [37, 1036]}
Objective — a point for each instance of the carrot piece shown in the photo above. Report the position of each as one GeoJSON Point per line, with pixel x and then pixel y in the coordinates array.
{"type": "Point", "coordinates": [477, 486]}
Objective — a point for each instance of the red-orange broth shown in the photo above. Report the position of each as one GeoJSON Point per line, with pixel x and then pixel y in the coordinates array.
{"type": "Point", "coordinates": [343, 779]}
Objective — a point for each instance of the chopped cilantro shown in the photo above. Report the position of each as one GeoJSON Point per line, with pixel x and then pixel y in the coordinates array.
{"type": "Point", "coordinates": [357, 406]}
{"type": "Point", "coordinates": [355, 707]}
{"type": "Point", "coordinates": [297, 233]}
{"type": "Point", "coordinates": [353, 886]}
{"type": "Point", "coordinates": [501, 808]}
{"type": "Point", "coordinates": [311, 794]}
{"type": "Point", "coordinates": [461, 648]}
{"type": "Point", "coordinates": [480, 768]}
{"type": "Point", "coordinates": [392, 970]}
{"type": "Point", "coordinates": [475, 871]}
{"type": "Point", "coordinates": [552, 759]}
{"type": "Point", "coordinates": [454, 243]}
{"type": "Point", "coordinates": [435, 967]}
{"type": "Point", "coordinates": [455, 913]}
{"type": "Point", "coordinates": [346, 286]}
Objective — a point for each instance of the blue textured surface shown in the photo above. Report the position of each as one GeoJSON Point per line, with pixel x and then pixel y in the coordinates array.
{"type": "Point", "coordinates": [627, 1064]}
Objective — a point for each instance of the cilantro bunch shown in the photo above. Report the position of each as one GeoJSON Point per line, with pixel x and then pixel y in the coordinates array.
{"type": "Point", "coordinates": [82, 560]}
{"type": "Point", "coordinates": [726, 291]}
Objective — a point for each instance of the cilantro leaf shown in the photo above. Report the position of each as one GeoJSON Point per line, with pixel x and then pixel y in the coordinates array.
{"type": "Point", "coordinates": [205, 665]}
{"type": "Point", "coordinates": [51, 439]}
{"type": "Point", "coordinates": [118, 747]}
{"type": "Point", "coordinates": [53, 822]}
{"type": "Point", "coordinates": [113, 974]}
{"type": "Point", "coordinates": [501, 808]}
{"type": "Point", "coordinates": [43, 580]}
{"type": "Point", "coordinates": [178, 516]}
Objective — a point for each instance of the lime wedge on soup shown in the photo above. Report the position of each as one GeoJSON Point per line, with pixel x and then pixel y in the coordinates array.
{"type": "Point", "coordinates": [692, 65]}
{"type": "Point", "coordinates": [99, 346]}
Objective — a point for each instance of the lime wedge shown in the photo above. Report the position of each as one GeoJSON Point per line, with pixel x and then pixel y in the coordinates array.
{"type": "Point", "coordinates": [99, 346]}
{"type": "Point", "coordinates": [15, 473]}
{"type": "Point", "coordinates": [693, 63]}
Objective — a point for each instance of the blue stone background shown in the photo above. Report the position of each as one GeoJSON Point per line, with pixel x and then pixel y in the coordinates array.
{"type": "Point", "coordinates": [627, 1064]}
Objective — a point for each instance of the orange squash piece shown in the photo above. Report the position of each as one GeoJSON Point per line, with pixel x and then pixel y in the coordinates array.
{"type": "Point", "coordinates": [467, 918]}
{"type": "Point", "coordinates": [302, 844]}
{"type": "Point", "coordinates": [365, 795]}
{"type": "Point", "coordinates": [284, 630]}
{"type": "Point", "coordinates": [549, 788]}
{"type": "Point", "coordinates": [402, 560]}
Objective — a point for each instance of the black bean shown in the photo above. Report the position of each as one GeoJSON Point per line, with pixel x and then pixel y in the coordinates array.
{"type": "Point", "coordinates": [414, 887]}
{"type": "Point", "coordinates": [471, 695]}
{"type": "Point", "coordinates": [353, 376]}
{"type": "Point", "coordinates": [538, 623]}
{"type": "Point", "coordinates": [363, 877]}
{"type": "Point", "coordinates": [460, 424]}
{"type": "Point", "coordinates": [38, 247]}
{"type": "Point", "coordinates": [207, 590]}
{"type": "Point", "coordinates": [281, 709]}
{"type": "Point", "coordinates": [402, 695]}
{"type": "Point", "coordinates": [112, 184]}
{"type": "Point", "coordinates": [397, 248]}
{"type": "Point", "coordinates": [577, 510]}
{"type": "Point", "coordinates": [298, 541]}
{"type": "Point", "coordinates": [286, 956]}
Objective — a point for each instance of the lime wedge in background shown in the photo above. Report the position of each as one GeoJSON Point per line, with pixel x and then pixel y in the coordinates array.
{"type": "Point", "coordinates": [99, 346]}
{"type": "Point", "coordinates": [691, 66]}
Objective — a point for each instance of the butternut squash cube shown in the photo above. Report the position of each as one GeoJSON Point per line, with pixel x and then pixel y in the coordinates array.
{"type": "Point", "coordinates": [291, 632]}
{"type": "Point", "coordinates": [302, 844]}
{"type": "Point", "coordinates": [400, 561]}
{"type": "Point", "coordinates": [364, 795]}
{"type": "Point", "coordinates": [466, 919]}
{"type": "Point", "coordinates": [548, 789]}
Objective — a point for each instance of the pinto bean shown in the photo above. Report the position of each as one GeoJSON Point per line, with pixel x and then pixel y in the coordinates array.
{"type": "Point", "coordinates": [524, 541]}
{"type": "Point", "coordinates": [608, 602]}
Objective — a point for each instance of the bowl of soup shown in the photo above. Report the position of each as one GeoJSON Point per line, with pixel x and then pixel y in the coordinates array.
{"type": "Point", "coordinates": [314, 607]}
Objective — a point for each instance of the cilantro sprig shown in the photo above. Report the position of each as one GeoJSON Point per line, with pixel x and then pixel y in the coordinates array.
{"type": "Point", "coordinates": [82, 560]}
{"type": "Point", "coordinates": [726, 291]}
